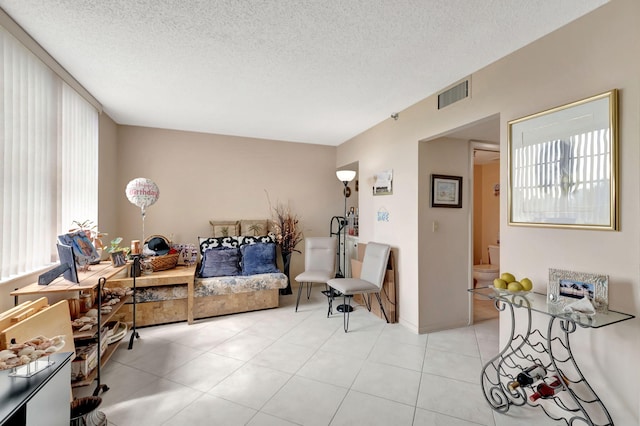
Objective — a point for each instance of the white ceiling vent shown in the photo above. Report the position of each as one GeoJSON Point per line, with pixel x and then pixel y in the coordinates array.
{"type": "Point", "coordinates": [454, 94]}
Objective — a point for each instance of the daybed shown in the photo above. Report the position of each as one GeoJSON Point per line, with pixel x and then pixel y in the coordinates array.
{"type": "Point", "coordinates": [235, 274]}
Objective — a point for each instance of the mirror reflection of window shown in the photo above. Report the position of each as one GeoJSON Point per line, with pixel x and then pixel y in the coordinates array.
{"type": "Point", "coordinates": [566, 174]}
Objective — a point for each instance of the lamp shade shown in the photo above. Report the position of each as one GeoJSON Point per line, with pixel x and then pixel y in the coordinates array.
{"type": "Point", "coordinates": [346, 175]}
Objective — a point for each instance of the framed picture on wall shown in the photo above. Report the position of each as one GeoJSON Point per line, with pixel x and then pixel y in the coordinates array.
{"type": "Point", "coordinates": [446, 191]}
{"type": "Point", "coordinates": [384, 183]}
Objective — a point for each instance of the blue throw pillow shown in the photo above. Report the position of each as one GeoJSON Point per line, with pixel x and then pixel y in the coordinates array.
{"type": "Point", "coordinates": [220, 262]}
{"type": "Point", "coordinates": [259, 258]}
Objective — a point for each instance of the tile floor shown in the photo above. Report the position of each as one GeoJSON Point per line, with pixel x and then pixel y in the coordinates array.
{"type": "Point", "coordinates": [278, 367]}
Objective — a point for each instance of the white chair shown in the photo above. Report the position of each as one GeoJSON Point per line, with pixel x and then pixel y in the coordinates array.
{"type": "Point", "coordinates": [374, 266]}
{"type": "Point", "coordinates": [319, 263]}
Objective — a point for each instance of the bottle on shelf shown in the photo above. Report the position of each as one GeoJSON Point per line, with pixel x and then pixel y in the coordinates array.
{"type": "Point", "coordinates": [528, 376]}
{"type": "Point", "coordinates": [547, 390]}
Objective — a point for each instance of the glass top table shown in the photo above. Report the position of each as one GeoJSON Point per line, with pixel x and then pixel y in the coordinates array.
{"type": "Point", "coordinates": [547, 345]}
{"type": "Point", "coordinates": [538, 302]}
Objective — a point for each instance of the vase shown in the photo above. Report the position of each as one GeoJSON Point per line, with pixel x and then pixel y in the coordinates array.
{"type": "Point", "coordinates": [286, 263]}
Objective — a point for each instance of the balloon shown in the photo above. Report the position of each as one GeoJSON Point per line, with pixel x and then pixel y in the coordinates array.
{"type": "Point", "coordinates": [142, 192]}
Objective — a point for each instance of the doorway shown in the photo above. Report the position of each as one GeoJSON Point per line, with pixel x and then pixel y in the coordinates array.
{"type": "Point", "coordinates": [486, 223]}
{"type": "Point", "coordinates": [483, 137]}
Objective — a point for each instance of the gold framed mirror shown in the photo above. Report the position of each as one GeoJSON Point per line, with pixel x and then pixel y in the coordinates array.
{"type": "Point", "coordinates": [563, 166]}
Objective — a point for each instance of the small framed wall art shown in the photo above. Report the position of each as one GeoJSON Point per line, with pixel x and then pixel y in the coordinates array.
{"type": "Point", "coordinates": [383, 183]}
{"type": "Point", "coordinates": [446, 191]}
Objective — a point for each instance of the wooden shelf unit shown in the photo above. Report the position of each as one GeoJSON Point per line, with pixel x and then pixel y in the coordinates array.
{"type": "Point", "coordinates": [91, 333]}
{"type": "Point", "coordinates": [93, 375]}
{"type": "Point", "coordinates": [89, 281]}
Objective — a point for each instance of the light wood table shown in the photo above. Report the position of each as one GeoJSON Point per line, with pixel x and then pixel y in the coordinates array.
{"type": "Point", "coordinates": [179, 275]}
{"type": "Point", "coordinates": [88, 281]}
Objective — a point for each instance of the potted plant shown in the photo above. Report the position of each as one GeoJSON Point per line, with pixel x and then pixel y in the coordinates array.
{"type": "Point", "coordinates": [288, 234]}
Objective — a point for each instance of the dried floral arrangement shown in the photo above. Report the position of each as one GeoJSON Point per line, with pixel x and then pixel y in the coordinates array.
{"type": "Point", "coordinates": [286, 227]}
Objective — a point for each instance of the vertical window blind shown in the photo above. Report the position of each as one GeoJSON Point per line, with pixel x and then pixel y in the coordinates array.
{"type": "Point", "coordinates": [49, 160]}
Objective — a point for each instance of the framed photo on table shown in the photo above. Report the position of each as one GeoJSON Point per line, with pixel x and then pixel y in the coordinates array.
{"type": "Point", "coordinates": [446, 191]}
{"type": "Point", "coordinates": [118, 258]}
{"type": "Point", "coordinates": [568, 286]}
{"type": "Point", "coordinates": [84, 251]}
{"type": "Point", "coordinates": [65, 253]}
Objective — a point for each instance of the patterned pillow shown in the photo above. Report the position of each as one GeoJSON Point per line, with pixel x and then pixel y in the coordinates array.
{"type": "Point", "coordinates": [259, 258]}
{"type": "Point", "coordinates": [207, 243]}
{"type": "Point", "coordinates": [220, 262]}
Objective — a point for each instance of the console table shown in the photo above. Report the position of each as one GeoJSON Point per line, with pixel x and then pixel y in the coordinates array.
{"type": "Point", "coordinates": [42, 399]}
{"type": "Point", "coordinates": [576, 402]}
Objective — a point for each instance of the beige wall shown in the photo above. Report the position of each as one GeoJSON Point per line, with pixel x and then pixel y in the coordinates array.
{"type": "Point", "coordinates": [444, 278]}
{"type": "Point", "coordinates": [205, 177]}
{"type": "Point", "coordinates": [587, 57]}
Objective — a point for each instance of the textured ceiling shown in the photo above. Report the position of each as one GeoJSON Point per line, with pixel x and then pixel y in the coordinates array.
{"type": "Point", "coordinates": [313, 71]}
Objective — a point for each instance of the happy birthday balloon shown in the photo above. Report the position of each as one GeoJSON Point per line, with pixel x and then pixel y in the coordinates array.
{"type": "Point", "coordinates": [142, 192]}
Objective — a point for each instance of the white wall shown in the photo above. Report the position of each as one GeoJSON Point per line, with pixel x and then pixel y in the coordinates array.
{"type": "Point", "coordinates": [589, 56]}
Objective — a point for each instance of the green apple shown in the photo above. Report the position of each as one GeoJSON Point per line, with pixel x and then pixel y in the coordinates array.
{"type": "Point", "coordinates": [526, 283]}
{"type": "Point", "coordinates": [509, 278]}
{"type": "Point", "coordinates": [500, 283]}
{"type": "Point", "coordinates": [514, 286]}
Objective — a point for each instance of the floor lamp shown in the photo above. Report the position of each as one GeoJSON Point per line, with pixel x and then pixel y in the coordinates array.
{"type": "Point", "coordinates": [345, 176]}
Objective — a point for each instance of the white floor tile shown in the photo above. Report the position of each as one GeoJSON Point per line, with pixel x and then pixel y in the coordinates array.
{"type": "Point", "coordinates": [237, 323]}
{"type": "Point", "coordinates": [141, 348]}
{"type": "Point", "coordinates": [207, 337]}
{"type": "Point", "coordinates": [167, 357]}
{"type": "Point", "coordinates": [332, 368]}
{"type": "Point", "coordinates": [152, 405]}
{"type": "Point", "coordinates": [362, 409]}
{"type": "Point", "coordinates": [398, 333]}
{"type": "Point", "coordinates": [460, 340]}
{"type": "Point", "coordinates": [431, 418]}
{"type": "Point", "coordinates": [386, 381]}
{"type": "Point", "coordinates": [243, 346]}
{"type": "Point", "coordinates": [124, 380]}
{"type": "Point", "coordinates": [452, 365]}
{"type": "Point", "coordinates": [251, 385]}
{"type": "Point", "coordinates": [306, 402]}
{"type": "Point", "coordinates": [312, 333]}
{"type": "Point", "coordinates": [454, 398]}
{"type": "Point", "coordinates": [205, 371]}
{"type": "Point", "coordinates": [354, 343]}
{"type": "Point", "coordinates": [525, 416]}
{"type": "Point", "coordinates": [398, 354]}
{"type": "Point", "coordinates": [210, 410]}
{"type": "Point", "coordinates": [263, 419]}
{"type": "Point", "coordinates": [283, 356]}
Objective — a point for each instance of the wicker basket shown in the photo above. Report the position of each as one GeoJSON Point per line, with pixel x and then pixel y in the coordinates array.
{"type": "Point", "coordinates": [164, 262]}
